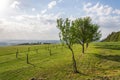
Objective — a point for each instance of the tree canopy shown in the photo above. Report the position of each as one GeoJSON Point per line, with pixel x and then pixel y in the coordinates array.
{"type": "Point", "coordinates": [85, 31]}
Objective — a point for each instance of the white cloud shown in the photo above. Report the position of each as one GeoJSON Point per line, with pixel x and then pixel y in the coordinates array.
{"type": "Point", "coordinates": [44, 11]}
{"type": "Point", "coordinates": [98, 9]}
{"type": "Point", "coordinates": [40, 26]}
{"type": "Point", "coordinates": [15, 4]}
{"type": "Point", "coordinates": [105, 16]}
{"type": "Point", "coordinates": [33, 9]}
{"type": "Point", "coordinates": [18, 18]}
{"type": "Point", "coordinates": [52, 4]}
{"type": "Point", "coordinates": [116, 11]}
{"type": "Point", "coordinates": [3, 5]}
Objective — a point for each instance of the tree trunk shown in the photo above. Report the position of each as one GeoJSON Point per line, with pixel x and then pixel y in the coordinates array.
{"type": "Point", "coordinates": [17, 54]}
{"type": "Point", "coordinates": [37, 51]}
{"type": "Point", "coordinates": [74, 62]}
{"type": "Point", "coordinates": [50, 51]}
{"type": "Point", "coordinates": [83, 49]}
{"type": "Point", "coordinates": [27, 58]}
{"type": "Point", "coordinates": [87, 44]}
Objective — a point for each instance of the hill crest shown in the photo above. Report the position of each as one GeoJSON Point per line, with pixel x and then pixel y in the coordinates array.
{"type": "Point", "coordinates": [113, 37]}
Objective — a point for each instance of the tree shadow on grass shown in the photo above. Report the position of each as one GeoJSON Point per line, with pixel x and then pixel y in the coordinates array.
{"type": "Point", "coordinates": [31, 64]}
{"type": "Point", "coordinates": [83, 74]}
{"type": "Point", "coordinates": [108, 46]}
{"type": "Point", "coordinates": [109, 57]}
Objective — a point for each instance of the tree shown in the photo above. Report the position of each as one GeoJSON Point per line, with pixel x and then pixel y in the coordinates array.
{"type": "Point", "coordinates": [27, 57]}
{"type": "Point", "coordinates": [94, 34]}
{"type": "Point", "coordinates": [17, 53]}
{"type": "Point", "coordinates": [66, 36]}
{"type": "Point", "coordinates": [49, 49]}
{"type": "Point", "coordinates": [85, 31]}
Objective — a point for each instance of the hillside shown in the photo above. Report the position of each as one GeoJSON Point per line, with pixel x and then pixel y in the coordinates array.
{"type": "Point", "coordinates": [100, 62]}
{"type": "Point", "coordinates": [113, 37]}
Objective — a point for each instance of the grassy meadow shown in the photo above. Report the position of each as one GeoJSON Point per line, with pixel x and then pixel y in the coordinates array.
{"type": "Point", "coordinates": [101, 61]}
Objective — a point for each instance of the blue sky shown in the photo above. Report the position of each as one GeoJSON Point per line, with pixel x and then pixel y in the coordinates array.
{"type": "Point", "coordinates": [36, 19]}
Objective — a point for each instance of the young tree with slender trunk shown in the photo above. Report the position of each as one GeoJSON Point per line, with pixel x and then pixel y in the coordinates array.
{"type": "Point", "coordinates": [79, 32]}
{"type": "Point", "coordinates": [85, 31]}
{"type": "Point", "coordinates": [66, 36]}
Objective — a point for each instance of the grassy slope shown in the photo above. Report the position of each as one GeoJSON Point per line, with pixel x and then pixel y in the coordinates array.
{"type": "Point", "coordinates": [101, 61]}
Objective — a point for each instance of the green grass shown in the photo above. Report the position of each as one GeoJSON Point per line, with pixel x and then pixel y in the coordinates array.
{"type": "Point", "coordinates": [101, 61]}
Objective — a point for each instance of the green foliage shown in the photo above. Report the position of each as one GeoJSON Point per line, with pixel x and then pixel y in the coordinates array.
{"type": "Point", "coordinates": [65, 28]}
{"type": "Point", "coordinates": [113, 37]}
{"type": "Point", "coordinates": [86, 31]}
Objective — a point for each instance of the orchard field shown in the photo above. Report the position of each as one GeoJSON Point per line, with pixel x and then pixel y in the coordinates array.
{"type": "Point", "coordinates": [101, 61]}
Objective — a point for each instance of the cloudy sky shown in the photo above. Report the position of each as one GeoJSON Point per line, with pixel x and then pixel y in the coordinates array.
{"type": "Point", "coordinates": [36, 19]}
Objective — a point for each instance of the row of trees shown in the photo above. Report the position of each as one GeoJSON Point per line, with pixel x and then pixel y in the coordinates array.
{"type": "Point", "coordinates": [81, 31]}
{"type": "Point", "coordinates": [47, 47]}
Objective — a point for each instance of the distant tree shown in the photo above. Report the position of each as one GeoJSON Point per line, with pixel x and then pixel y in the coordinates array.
{"type": "Point", "coordinates": [36, 49]}
{"type": "Point", "coordinates": [17, 53]}
{"type": "Point", "coordinates": [27, 57]}
{"type": "Point", "coordinates": [113, 37]}
{"type": "Point", "coordinates": [49, 49]}
{"type": "Point", "coordinates": [118, 36]}
{"type": "Point", "coordinates": [85, 31]}
{"type": "Point", "coordinates": [66, 36]}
